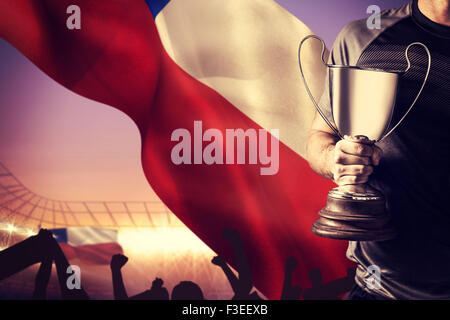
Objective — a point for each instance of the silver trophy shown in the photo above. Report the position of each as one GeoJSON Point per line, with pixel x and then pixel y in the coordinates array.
{"type": "Point", "coordinates": [362, 103]}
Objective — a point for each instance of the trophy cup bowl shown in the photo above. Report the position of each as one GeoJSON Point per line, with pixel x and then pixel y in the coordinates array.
{"type": "Point", "coordinates": [362, 104]}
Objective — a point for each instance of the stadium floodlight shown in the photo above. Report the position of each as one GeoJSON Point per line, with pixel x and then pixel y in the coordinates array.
{"type": "Point", "coordinates": [11, 228]}
{"type": "Point", "coordinates": [30, 233]}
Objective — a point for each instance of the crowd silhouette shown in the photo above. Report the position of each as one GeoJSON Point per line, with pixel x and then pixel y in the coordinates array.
{"type": "Point", "coordinates": [41, 248]}
{"type": "Point", "coordinates": [44, 249]}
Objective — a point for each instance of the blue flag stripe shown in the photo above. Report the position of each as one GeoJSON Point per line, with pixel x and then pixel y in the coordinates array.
{"type": "Point", "coordinates": [156, 6]}
{"type": "Point", "coordinates": [60, 234]}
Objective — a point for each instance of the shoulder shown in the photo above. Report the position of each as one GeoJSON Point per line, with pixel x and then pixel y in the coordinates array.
{"type": "Point", "coordinates": [356, 35]}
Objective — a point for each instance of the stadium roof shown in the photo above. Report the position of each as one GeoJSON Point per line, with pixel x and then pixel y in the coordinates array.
{"type": "Point", "coordinates": [21, 206]}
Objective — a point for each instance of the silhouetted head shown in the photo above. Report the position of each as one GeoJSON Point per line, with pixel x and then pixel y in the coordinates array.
{"type": "Point", "coordinates": [158, 292]}
{"type": "Point", "coordinates": [315, 276]}
{"type": "Point", "coordinates": [187, 290]}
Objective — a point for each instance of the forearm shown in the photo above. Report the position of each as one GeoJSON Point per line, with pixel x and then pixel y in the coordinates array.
{"type": "Point", "coordinates": [120, 292]}
{"type": "Point", "coordinates": [320, 152]}
{"type": "Point", "coordinates": [42, 279]}
{"type": "Point", "coordinates": [62, 266]}
{"type": "Point", "coordinates": [22, 255]}
{"type": "Point", "coordinates": [287, 285]}
{"type": "Point", "coordinates": [234, 281]}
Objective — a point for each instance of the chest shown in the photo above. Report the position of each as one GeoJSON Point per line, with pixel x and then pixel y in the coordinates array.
{"type": "Point", "coordinates": [431, 113]}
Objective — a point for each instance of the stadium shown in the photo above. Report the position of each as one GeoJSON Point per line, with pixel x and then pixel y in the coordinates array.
{"type": "Point", "coordinates": [155, 240]}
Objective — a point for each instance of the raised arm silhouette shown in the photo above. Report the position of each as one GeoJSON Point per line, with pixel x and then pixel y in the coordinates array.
{"type": "Point", "coordinates": [243, 284]}
{"type": "Point", "coordinates": [40, 248]}
{"type": "Point", "coordinates": [42, 279]}
{"type": "Point", "coordinates": [20, 256]}
{"type": "Point", "coordinates": [290, 292]}
{"type": "Point", "coordinates": [62, 265]}
{"type": "Point", "coordinates": [117, 262]}
{"type": "Point", "coordinates": [331, 290]}
{"type": "Point", "coordinates": [156, 292]}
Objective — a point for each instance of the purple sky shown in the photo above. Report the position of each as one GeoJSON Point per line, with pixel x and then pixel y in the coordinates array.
{"type": "Point", "coordinates": [327, 17]}
{"type": "Point", "coordinates": [51, 137]}
{"type": "Point", "coordinates": [67, 147]}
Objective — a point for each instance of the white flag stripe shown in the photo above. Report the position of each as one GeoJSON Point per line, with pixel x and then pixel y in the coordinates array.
{"type": "Point", "coordinates": [246, 50]}
{"type": "Point", "coordinates": [79, 236]}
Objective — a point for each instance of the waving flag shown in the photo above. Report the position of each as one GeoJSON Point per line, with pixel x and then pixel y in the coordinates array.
{"type": "Point", "coordinates": [90, 245]}
{"type": "Point", "coordinates": [230, 64]}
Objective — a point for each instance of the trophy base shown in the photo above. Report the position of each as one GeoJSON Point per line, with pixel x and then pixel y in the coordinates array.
{"type": "Point", "coordinates": [356, 213]}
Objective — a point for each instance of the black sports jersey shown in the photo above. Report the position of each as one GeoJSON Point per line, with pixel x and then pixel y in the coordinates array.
{"type": "Point", "coordinates": [414, 172]}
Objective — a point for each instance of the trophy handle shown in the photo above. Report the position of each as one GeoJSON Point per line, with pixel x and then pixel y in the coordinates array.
{"type": "Point", "coordinates": [316, 105]}
{"type": "Point", "coordinates": [421, 88]}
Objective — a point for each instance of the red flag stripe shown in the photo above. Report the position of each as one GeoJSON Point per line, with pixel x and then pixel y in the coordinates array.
{"type": "Point", "coordinates": [94, 254]}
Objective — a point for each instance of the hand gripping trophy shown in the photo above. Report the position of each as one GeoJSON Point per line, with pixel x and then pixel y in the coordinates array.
{"type": "Point", "coordinates": [362, 103]}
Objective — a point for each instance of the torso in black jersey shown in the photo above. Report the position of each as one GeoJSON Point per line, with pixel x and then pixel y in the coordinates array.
{"type": "Point", "coordinates": [414, 173]}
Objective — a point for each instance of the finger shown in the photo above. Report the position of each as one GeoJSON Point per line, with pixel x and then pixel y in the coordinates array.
{"type": "Point", "coordinates": [359, 139]}
{"type": "Point", "coordinates": [355, 148]}
{"type": "Point", "coordinates": [346, 180]}
{"type": "Point", "coordinates": [353, 170]}
{"type": "Point", "coordinates": [376, 156]}
{"type": "Point", "coordinates": [345, 158]}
